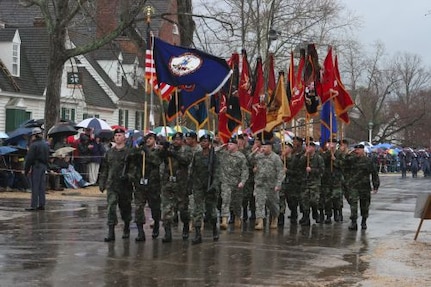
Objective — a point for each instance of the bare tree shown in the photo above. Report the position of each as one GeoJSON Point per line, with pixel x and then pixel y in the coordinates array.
{"type": "Point", "coordinates": [59, 15]}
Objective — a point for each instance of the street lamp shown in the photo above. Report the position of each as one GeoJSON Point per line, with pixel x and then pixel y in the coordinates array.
{"type": "Point", "coordinates": [370, 131]}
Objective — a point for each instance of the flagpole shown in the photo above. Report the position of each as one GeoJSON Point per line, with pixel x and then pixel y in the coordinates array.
{"type": "Point", "coordinates": [176, 108]}
{"type": "Point", "coordinates": [149, 11]}
{"type": "Point", "coordinates": [143, 153]}
{"type": "Point", "coordinates": [166, 134]}
{"type": "Point", "coordinates": [330, 133]}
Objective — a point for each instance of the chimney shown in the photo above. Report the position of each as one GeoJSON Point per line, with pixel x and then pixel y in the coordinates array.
{"type": "Point", "coordinates": [106, 16]}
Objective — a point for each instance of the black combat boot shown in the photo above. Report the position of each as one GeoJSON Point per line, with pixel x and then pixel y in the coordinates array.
{"type": "Point", "coordinates": [111, 234]}
{"type": "Point", "coordinates": [252, 214]}
{"type": "Point", "coordinates": [315, 214]}
{"type": "Point", "coordinates": [340, 212]}
{"type": "Point", "coordinates": [126, 230]}
{"type": "Point", "coordinates": [141, 233]}
{"type": "Point", "coordinates": [328, 219]}
{"type": "Point", "coordinates": [215, 231]}
{"type": "Point", "coordinates": [186, 230]}
{"type": "Point", "coordinates": [156, 228]}
{"type": "Point", "coordinates": [281, 220]}
{"type": "Point", "coordinates": [244, 214]}
{"type": "Point", "coordinates": [231, 218]}
{"type": "Point", "coordinates": [336, 215]}
{"type": "Point", "coordinates": [305, 221]}
{"type": "Point", "coordinates": [320, 216]}
{"type": "Point", "coordinates": [353, 225]}
{"type": "Point", "coordinates": [364, 223]}
{"type": "Point", "coordinates": [294, 217]}
{"type": "Point", "coordinates": [168, 233]}
{"type": "Point", "coordinates": [198, 236]}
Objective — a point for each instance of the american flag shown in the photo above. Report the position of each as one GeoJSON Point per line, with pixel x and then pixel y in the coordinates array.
{"type": "Point", "coordinates": [162, 89]}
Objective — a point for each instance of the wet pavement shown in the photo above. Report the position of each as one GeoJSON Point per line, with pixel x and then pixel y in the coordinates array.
{"type": "Point", "coordinates": [63, 246]}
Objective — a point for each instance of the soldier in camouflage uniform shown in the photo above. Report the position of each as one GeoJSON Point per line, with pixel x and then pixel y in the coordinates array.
{"type": "Point", "coordinates": [361, 185]}
{"type": "Point", "coordinates": [177, 158]}
{"type": "Point", "coordinates": [331, 183]}
{"type": "Point", "coordinates": [113, 178]}
{"type": "Point", "coordinates": [347, 175]}
{"type": "Point", "coordinates": [312, 166]}
{"type": "Point", "coordinates": [269, 174]}
{"type": "Point", "coordinates": [248, 201]}
{"type": "Point", "coordinates": [205, 182]}
{"type": "Point", "coordinates": [192, 142]}
{"type": "Point", "coordinates": [147, 184]}
{"type": "Point", "coordinates": [233, 176]}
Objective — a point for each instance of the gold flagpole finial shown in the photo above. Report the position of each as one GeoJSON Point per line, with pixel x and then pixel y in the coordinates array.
{"type": "Point", "coordinates": [149, 11]}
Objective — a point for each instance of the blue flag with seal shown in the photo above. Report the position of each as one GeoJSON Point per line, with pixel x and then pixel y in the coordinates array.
{"type": "Point", "coordinates": [327, 119]}
{"type": "Point", "coordinates": [197, 70]}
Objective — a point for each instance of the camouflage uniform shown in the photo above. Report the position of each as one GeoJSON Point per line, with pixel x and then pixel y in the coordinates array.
{"type": "Point", "coordinates": [269, 173]}
{"type": "Point", "coordinates": [119, 187]}
{"type": "Point", "coordinates": [233, 170]}
{"type": "Point", "coordinates": [174, 190]}
{"type": "Point", "coordinates": [360, 182]}
{"type": "Point", "coordinates": [248, 201]}
{"type": "Point", "coordinates": [331, 185]}
{"type": "Point", "coordinates": [311, 185]}
{"type": "Point", "coordinates": [292, 184]}
{"type": "Point", "coordinates": [147, 189]}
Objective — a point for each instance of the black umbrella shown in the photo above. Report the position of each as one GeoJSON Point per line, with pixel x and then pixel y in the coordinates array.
{"type": "Point", "coordinates": [62, 130]}
{"type": "Point", "coordinates": [32, 123]}
{"type": "Point", "coordinates": [104, 134]}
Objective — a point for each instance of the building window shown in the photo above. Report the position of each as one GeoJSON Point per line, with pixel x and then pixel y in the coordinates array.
{"type": "Point", "coordinates": [74, 80]}
{"type": "Point", "coordinates": [68, 114]}
{"type": "Point", "coordinates": [87, 116]}
{"type": "Point", "coordinates": [123, 117]}
{"type": "Point", "coordinates": [15, 60]}
{"type": "Point", "coordinates": [139, 120]}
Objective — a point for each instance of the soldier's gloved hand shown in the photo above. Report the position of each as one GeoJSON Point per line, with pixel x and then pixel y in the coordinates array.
{"type": "Point", "coordinates": [166, 145]}
{"type": "Point", "coordinates": [170, 153]}
{"type": "Point", "coordinates": [145, 149]}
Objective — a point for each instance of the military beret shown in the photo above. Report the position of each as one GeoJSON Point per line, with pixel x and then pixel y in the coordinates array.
{"type": "Point", "coordinates": [311, 143]}
{"type": "Point", "coordinates": [232, 140]}
{"type": "Point", "coordinates": [119, 130]}
{"type": "Point", "coordinates": [151, 134]}
{"type": "Point", "coordinates": [266, 142]}
{"type": "Point", "coordinates": [344, 141]}
{"type": "Point", "coordinates": [177, 135]}
{"type": "Point", "coordinates": [359, 146]}
{"type": "Point", "coordinates": [289, 144]}
{"type": "Point", "coordinates": [332, 141]}
{"type": "Point", "coordinates": [298, 139]}
{"type": "Point", "coordinates": [191, 134]}
{"type": "Point", "coordinates": [205, 137]}
{"type": "Point", "coordinates": [240, 137]}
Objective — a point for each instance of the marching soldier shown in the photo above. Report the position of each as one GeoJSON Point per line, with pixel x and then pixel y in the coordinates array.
{"type": "Point", "coordinates": [113, 178]}
{"type": "Point", "coordinates": [205, 186]}
{"type": "Point", "coordinates": [177, 158]}
{"type": "Point", "coordinates": [147, 184]}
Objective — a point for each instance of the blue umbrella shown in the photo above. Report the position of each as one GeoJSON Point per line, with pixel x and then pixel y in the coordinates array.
{"type": "Point", "coordinates": [18, 136]}
{"type": "Point", "coordinates": [94, 123]}
{"type": "Point", "coordinates": [7, 149]}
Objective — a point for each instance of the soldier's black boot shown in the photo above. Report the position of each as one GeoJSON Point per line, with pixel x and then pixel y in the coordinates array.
{"type": "Point", "coordinates": [252, 214]}
{"type": "Point", "coordinates": [328, 219]}
{"type": "Point", "coordinates": [305, 221]}
{"type": "Point", "coordinates": [315, 214]}
{"type": "Point", "coordinates": [353, 225]}
{"type": "Point", "coordinates": [364, 223]}
{"type": "Point", "coordinates": [111, 234]}
{"type": "Point", "coordinates": [244, 214]}
{"type": "Point", "coordinates": [198, 236]}
{"type": "Point", "coordinates": [231, 218]}
{"type": "Point", "coordinates": [126, 230]}
{"type": "Point", "coordinates": [215, 231]}
{"type": "Point", "coordinates": [168, 233]}
{"type": "Point", "coordinates": [336, 215]}
{"type": "Point", "coordinates": [141, 233]}
{"type": "Point", "coordinates": [340, 213]}
{"type": "Point", "coordinates": [294, 217]}
{"type": "Point", "coordinates": [281, 220]}
{"type": "Point", "coordinates": [186, 230]}
{"type": "Point", "coordinates": [156, 228]}
{"type": "Point", "coordinates": [319, 216]}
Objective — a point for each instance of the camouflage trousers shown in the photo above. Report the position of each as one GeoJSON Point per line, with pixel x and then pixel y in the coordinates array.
{"type": "Point", "coordinates": [364, 198]}
{"type": "Point", "coordinates": [204, 203]}
{"type": "Point", "coordinates": [143, 194]}
{"type": "Point", "coordinates": [266, 196]}
{"type": "Point", "coordinates": [346, 192]}
{"type": "Point", "coordinates": [248, 201]}
{"type": "Point", "coordinates": [175, 198]}
{"type": "Point", "coordinates": [123, 199]}
{"type": "Point", "coordinates": [332, 199]}
{"type": "Point", "coordinates": [290, 194]}
{"type": "Point", "coordinates": [310, 198]}
{"type": "Point", "coordinates": [231, 197]}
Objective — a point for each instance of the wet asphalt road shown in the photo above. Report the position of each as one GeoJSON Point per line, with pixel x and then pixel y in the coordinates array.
{"type": "Point", "coordinates": [63, 246]}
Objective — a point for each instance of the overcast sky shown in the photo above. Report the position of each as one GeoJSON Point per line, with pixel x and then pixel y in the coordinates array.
{"type": "Point", "coordinates": [402, 25]}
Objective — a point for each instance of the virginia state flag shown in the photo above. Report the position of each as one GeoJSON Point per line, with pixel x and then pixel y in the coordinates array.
{"type": "Point", "coordinates": [198, 114]}
{"type": "Point", "coordinates": [178, 66]}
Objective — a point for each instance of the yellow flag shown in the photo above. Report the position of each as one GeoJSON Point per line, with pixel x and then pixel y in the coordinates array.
{"type": "Point", "coordinates": [278, 109]}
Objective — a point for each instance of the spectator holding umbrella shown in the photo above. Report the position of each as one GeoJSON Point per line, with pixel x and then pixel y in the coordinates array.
{"type": "Point", "coordinates": [97, 153]}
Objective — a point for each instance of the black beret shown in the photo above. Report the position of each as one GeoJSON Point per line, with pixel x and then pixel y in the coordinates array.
{"type": "Point", "coordinates": [233, 140]}
{"type": "Point", "coordinates": [344, 141]}
{"type": "Point", "coordinates": [289, 144]}
{"type": "Point", "coordinates": [205, 137]}
{"type": "Point", "coordinates": [332, 141]}
{"type": "Point", "coordinates": [311, 143]}
{"type": "Point", "coordinates": [177, 135]}
{"type": "Point", "coordinates": [151, 134]}
{"type": "Point", "coordinates": [359, 146]}
{"type": "Point", "coordinates": [298, 139]}
{"type": "Point", "coordinates": [240, 137]}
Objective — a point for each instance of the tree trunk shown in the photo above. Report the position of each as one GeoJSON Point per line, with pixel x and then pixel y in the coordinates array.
{"type": "Point", "coordinates": [185, 21]}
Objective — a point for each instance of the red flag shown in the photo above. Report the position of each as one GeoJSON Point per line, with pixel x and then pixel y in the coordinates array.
{"type": "Point", "coordinates": [271, 78]}
{"type": "Point", "coordinates": [326, 89]}
{"type": "Point", "coordinates": [296, 87]}
{"type": "Point", "coordinates": [223, 130]}
{"type": "Point", "coordinates": [343, 102]}
{"type": "Point", "coordinates": [162, 89]}
{"type": "Point", "coordinates": [258, 106]}
{"type": "Point", "coordinates": [244, 89]}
